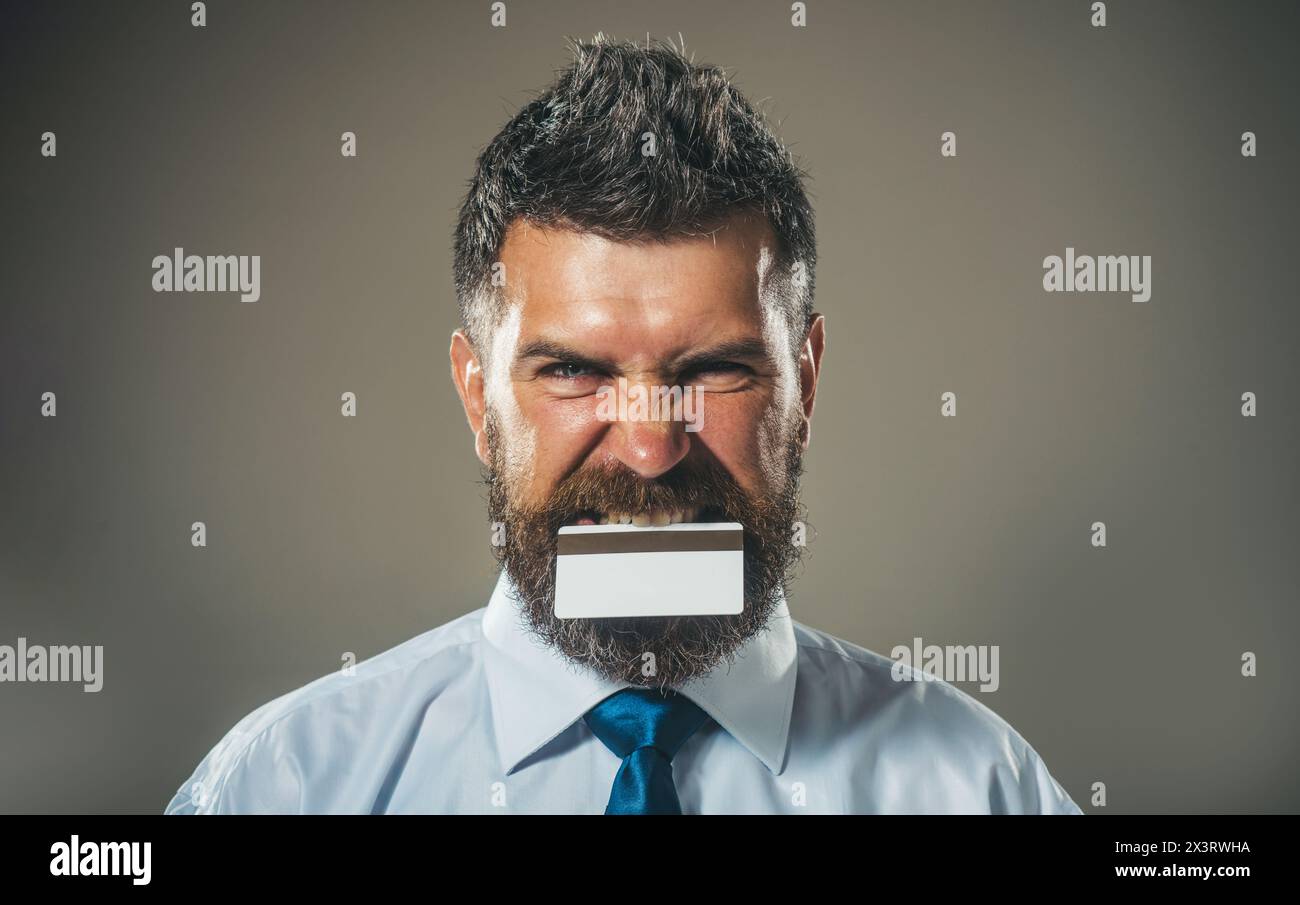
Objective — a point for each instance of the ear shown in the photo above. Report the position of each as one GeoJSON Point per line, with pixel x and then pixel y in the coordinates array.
{"type": "Point", "coordinates": [467, 374]}
{"type": "Point", "coordinates": [810, 371]}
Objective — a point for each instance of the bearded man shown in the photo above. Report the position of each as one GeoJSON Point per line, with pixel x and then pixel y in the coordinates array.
{"type": "Point", "coordinates": [638, 223]}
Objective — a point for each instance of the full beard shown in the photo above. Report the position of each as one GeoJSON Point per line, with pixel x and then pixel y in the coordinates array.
{"type": "Point", "coordinates": [682, 648]}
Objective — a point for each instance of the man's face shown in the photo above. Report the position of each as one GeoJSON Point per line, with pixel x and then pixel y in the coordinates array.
{"type": "Point", "coordinates": [584, 311]}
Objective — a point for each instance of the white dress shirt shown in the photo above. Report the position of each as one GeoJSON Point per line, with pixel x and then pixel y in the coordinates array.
{"type": "Point", "coordinates": [478, 717]}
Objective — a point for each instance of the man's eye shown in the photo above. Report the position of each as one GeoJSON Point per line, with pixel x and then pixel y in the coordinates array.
{"type": "Point", "coordinates": [567, 370]}
{"type": "Point", "coordinates": [720, 367]}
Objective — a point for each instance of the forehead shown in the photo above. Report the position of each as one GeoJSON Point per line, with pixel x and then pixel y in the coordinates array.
{"type": "Point", "coordinates": [572, 285]}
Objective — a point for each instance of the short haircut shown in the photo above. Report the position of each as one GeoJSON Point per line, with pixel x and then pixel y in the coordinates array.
{"type": "Point", "coordinates": [573, 159]}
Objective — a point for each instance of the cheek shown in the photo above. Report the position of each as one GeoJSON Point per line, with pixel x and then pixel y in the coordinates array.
{"type": "Point", "coordinates": [566, 430]}
{"type": "Point", "coordinates": [735, 433]}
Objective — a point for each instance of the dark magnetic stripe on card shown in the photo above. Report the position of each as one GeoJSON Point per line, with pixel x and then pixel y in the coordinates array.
{"type": "Point", "coordinates": [649, 542]}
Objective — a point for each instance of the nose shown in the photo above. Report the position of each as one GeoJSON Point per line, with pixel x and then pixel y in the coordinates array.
{"type": "Point", "coordinates": [650, 448]}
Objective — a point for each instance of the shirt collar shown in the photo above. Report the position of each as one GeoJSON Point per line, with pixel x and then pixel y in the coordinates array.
{"type": "Point", "coordinates": [537, 694]}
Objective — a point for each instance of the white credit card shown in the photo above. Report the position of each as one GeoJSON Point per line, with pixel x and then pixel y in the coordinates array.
{"type": "Point", "coordinates": [689, 569]}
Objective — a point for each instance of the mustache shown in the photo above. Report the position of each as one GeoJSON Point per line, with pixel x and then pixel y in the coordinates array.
{"type": "Point", "coordinates": [703, 485]}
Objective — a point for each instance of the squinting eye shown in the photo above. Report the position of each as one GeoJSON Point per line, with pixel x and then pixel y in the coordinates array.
{"type": "Point", "coordinates": [566, 371]}
{"type": "Point", "coordinates": [720, 367]}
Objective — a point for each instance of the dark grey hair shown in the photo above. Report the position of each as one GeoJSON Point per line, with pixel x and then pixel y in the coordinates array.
{"type": "Point", "coordinates": [573, 159]}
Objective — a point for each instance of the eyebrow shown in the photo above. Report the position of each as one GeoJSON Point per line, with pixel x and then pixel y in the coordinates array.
{"type": "Point", "coordinates": [547, 348]}
{"type": "Point", "coordinates": [752, 349]}
{"type": "Point", "coordinates": [749, 349]}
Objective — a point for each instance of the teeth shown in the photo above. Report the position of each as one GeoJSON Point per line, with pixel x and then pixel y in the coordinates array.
{"type": "Point", "coordinates": [656, 518]}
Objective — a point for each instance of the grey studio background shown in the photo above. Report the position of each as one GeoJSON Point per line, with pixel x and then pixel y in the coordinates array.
{"type": "Point", "coordinates": [328, 534]}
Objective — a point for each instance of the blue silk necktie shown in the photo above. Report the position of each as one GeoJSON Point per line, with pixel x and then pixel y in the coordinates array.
{"type": "Point", "coordinates": [646, 728]}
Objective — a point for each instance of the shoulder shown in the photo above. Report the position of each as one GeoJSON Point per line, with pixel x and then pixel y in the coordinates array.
{"type": "Point", "coordinates": [940, 748]}
{"type": "Point", "coordinates": [264, 762]}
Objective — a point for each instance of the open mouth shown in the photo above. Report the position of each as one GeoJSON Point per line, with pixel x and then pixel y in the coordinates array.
{"type": "Point", "coordinates": [654, 518]}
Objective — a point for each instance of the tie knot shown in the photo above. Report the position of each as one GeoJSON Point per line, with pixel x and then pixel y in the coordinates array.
{"type": "Point", "coordinates": [642, 717]}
